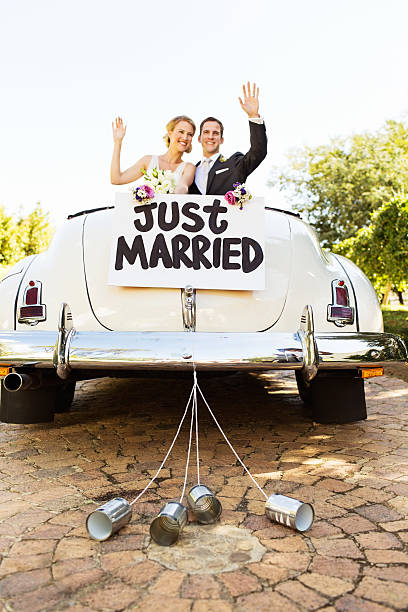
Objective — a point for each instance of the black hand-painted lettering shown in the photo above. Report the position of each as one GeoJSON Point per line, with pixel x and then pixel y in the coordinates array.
{"type": "Point", "coordinates": [130, 254]}
{"type": "Point", "coordinates": [227, 253]}
{"type": "Point", "coordinates": [217, 252]}
{"type": "Point", "coordinates": [175, 216]}
{"type": "Point", "coordinates": [160, 251]}
{"type": "Point", "coordinates": [248, 264]}
{"type": "Point", "coordinates": [180, 244]}
{"type": "Point", "coordinates": [199, 245]}
{"type": "Point", "coordinates": [147, 210]}
{"type": "Point", "coordinates": [215, 209]}
{"type": "Point", "coordinates": [187, 212]}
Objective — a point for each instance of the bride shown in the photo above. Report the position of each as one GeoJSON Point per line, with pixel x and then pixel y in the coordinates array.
{"type": "Point", "coordinates": [180, 132]}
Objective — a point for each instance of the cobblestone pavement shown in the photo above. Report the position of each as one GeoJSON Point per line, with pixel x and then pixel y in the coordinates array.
{"type": "Point", "coordinates": [355, 557]}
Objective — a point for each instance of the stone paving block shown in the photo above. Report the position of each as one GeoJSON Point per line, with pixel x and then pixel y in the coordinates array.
{"type": "Point", "coordinates": [341, 568]}
{"type": "Point", "coordinates": [168, 583]}
{"type": "Point", "coordinates": [61, 569]}
{"type": "Point", "coordinates": [138, 574]}
{"type": "Point", "coordinates": [397, 573]}
{"type": "Point", "coordinates": [265, 602]}
{"type": "Point", "coordinates": [350, 603]}
{"type": "Point", "coordinates": [113, 596]}
{"type": "Point", "coordinates": [238, 583]}
{"type": "Point", "coordinates": [200, 587]}
{"type": "Point", "coordinates": [337, 547]}
{"type": "Point", "coordinates": [152, 603]}
{"type": "Point", "coordinates": [303, 596]}
{"type": "Point", "coordinates": [25, 563]}
{"type": "Point", "coordinates": [205, 605]}
{"type": "Point", "coordinates": [73, 582]}
{"type": "Point", "coordinates": [386, 556]}
{"type": "Point", "coordinates": [375, 540]}
{"type": "Point", "coordinates": [294, 561]}
{"type": "Point", "coordinates": [353, 523]}
{"type": "Point", "coordinates": [22, 582]}
{"type": "Point", "coordinates": [391, 593]}
{"type": "Point", "coordinates": [38, 600]}
{"type": "Point", "coordinates": [326, 585]}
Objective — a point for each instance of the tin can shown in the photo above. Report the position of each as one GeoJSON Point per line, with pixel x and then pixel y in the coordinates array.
{"type": "Point", "coordinates": [108, 519]}
{"type": "Point", "coordinates": [204, 504]}
{"type": "Point", "coordinates": [290, 512]}
{"type": "Point", "coordinates": [165, 529]}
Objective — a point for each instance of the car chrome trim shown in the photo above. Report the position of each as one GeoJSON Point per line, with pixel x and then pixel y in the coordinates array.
{"type": "Point", "coordinates": [309, 348]}
{"type": "Point", "coordinates": [188, 304]}
{"type": "Point", "coordinates": [61, 351]}
{"type": "Point", "coordinates": [210, 350]}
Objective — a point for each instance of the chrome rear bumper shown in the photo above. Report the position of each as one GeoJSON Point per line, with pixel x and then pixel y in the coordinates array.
{"type": "Point", "coordinates": [302, 350]}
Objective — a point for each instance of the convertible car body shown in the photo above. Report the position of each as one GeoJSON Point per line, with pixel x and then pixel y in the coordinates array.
{"type": "Point", "coordinates": [60, 322]}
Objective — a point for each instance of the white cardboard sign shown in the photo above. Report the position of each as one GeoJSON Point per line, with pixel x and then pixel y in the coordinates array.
{"type": "Point", "coordinates": [179, 240]}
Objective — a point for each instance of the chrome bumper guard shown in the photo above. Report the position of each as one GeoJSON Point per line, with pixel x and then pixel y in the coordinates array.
{"type": "Point", "coordinates": [303, 350]}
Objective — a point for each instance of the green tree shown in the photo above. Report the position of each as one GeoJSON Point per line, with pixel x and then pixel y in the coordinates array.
{"type": "Point", "coordinates": [340, 184]}
{"type": "Point", "coordinates": [34, 231]}
{"type": "Point", "coordinates": [22, 236]}
{"type": "Point", "coordinates": [381, 248]}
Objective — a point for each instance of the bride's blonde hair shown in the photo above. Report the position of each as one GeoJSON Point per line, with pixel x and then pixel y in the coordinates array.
{"type": "Point", "coordinates": [172, 124]}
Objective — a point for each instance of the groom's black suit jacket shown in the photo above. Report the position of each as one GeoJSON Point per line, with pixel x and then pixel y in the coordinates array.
{"type": "Point", "coordinates": [238, 167]}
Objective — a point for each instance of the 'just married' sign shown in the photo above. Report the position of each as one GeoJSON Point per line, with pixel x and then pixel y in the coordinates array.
{"type": "Point", "coordinates": [179, 240]}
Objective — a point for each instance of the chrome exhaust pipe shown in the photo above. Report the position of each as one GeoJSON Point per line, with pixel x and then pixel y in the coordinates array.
{"type": "Point", "coordinates": [17, 382]}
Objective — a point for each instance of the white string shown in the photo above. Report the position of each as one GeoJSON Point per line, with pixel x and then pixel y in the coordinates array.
{"type": "Point", "coordinates": [168, 452]}
{"type": "Point", "coordinates": [196, 424]}
{"type": "Point", "coordinates": [189, 445]}
{"type": "Point", "coordinates": [229, 443]}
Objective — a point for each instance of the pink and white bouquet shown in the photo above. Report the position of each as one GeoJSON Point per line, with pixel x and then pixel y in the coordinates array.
{"type": "Point", "coordinates": [162, 181]}
{"type": "Point", "coordinates": [143, 194]}
{"type": "Point", "coordinates": [240, 195]}
{"type": "Point", "coordinates": [156, 181]}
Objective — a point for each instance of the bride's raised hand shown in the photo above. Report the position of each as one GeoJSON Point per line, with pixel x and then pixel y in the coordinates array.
{"type": "Point", "coordinates": [118, 129]}
{"type": "Point", "coordinates": [250, 103]}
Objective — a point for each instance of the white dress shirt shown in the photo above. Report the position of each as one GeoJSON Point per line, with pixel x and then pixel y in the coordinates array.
{"type": "Point", "coordinates": [201, 176]}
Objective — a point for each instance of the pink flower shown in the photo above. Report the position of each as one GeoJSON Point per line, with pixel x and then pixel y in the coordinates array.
{"type": "Point", "coordinates": [149, 191]}
{"type": "Point", "coordinates": [229, 196]}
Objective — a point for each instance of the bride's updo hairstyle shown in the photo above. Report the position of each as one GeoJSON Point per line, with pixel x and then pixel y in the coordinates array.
{"type": "Point", "coordinates": [172, 124]}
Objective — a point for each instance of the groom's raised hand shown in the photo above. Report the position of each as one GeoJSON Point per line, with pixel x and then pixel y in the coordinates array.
{"type": "Point", "coordinates": [250, 104]}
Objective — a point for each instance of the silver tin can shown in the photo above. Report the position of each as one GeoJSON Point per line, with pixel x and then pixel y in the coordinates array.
{"type": "Point", "coordinates": [108, 519]}
{"type": "Point", "coordinates": [206, 507]}
{"type": "Point", "coordinates": [290, 512]}
{"type": "Point", "coordinates": [168, 524]}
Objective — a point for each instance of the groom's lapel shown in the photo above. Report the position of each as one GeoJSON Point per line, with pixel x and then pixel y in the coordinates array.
{"type": "Point", "coordinates": [212, 171]}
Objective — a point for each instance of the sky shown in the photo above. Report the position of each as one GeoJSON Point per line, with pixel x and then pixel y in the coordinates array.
{"type": "Point", "coordinates": [325, 68]}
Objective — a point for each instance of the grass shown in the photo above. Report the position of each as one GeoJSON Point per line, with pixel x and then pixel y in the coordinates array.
{"type": "Point", "coordinates": [396, 320]}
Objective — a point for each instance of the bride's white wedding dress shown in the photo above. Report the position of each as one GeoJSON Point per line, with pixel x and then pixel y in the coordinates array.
{"type": "Point", "coordinates": [177, 173]}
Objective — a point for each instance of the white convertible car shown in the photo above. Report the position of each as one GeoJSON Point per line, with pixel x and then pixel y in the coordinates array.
{"type": "Point", "coordinates": [60, 322]}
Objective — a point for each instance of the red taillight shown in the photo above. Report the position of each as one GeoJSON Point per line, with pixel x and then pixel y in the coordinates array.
{"type": "Point", "coordinates": [31, 310]}
{"type": "Point", "coordinates": [31, 296]}
{"type": "Point", "coordinates": [340, 312]}
{"type": "Point", "coordinates": [341, 296]}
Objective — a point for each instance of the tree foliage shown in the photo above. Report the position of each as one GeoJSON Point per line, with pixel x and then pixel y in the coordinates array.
{"type": "Point", "coordinates": [340, 184]}
{"type": "Point", "coordinates": [381, 248]}
{"type": "Point", "coordinates": [24, 235]}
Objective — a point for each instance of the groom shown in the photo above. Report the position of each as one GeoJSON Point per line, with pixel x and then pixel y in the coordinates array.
{"type": "Point", "coordinates": [215, 175]}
